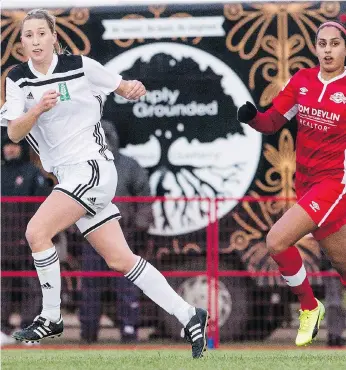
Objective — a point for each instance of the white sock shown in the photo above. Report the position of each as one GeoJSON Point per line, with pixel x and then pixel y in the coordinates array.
{"type": "Point", "coordinates": [48, 270]}
{"type": "Point", "coordinates": [156, 287]}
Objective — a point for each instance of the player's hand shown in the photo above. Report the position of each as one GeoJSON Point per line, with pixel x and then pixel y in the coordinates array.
{"type": "Point", "coordinates": [247, 112]}
{"type": "Point", "coordinates": [134, 90]}
{"type": "Point", "coordinates": [48, 100]}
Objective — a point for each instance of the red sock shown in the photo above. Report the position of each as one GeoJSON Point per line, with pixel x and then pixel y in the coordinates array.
{"type": "Point", "coordinates": [292, 269]}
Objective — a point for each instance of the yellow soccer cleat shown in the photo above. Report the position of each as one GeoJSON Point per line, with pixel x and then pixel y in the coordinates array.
{"type": "Point", "coordinates": [309, 324]}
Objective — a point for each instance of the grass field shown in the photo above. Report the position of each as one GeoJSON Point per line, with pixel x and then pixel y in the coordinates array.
{"type": "Point", "coordinates": [164, 359]}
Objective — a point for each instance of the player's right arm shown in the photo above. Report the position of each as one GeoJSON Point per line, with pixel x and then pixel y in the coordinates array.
{"type": "Point", "coordinates": [284, 109]}
{"type": "Point", "coordinates": [109, 82]}
{"type": "Point", "coordinates": [20, 123]}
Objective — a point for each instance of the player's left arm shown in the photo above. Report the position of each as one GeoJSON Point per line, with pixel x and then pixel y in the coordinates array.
{"type": "Point", "coordinates": [283, 110]}
{"type": "Point", "coordinates": [267, 123]}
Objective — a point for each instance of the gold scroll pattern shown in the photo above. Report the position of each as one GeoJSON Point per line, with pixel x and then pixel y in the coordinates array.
{"type": "Point", "coordinates": [250, 35]}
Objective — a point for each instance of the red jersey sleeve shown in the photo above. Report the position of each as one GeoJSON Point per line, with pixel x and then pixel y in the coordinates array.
{"type": "Point", "coordinates": [286, 102]}
{"type": "Point", "coordinates": [268, 122]}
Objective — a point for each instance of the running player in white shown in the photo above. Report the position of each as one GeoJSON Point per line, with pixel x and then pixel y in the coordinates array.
{"type": "Point", "coordinates": [54, 101]}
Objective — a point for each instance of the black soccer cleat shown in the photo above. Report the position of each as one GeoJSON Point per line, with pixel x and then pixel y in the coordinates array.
{"type": "Point", "coordinates": [39, 329]}
{"type": "Point", "coordinates": [196, 332]}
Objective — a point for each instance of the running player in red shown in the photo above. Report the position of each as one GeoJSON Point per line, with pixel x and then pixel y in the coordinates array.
{"type": "Point", "coordinates": [317, 97]}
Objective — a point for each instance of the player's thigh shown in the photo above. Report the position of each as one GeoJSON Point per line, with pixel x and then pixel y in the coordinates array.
{"type": "Point", "coordinates": [334, 246]}
{"type": "Point", "coordinates": [104, 233]}
{"type": "Point", "coordinates": [314, 210]}
{"type": "Point", "coordinates": [289, 229]}
{"type": "Point", "coordinates": [55, 214]}
{"type": "Point", "coordinates": [325, 203]}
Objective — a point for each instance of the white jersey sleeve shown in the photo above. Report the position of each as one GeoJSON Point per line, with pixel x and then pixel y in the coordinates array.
{"type": "Point", "coordinates": [100, 78]}
{"type": "Point", "coordinates": [15, 102]}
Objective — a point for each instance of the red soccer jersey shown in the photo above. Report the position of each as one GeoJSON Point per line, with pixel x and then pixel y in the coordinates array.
{"type": "Point", "coordinates": [320, 109]}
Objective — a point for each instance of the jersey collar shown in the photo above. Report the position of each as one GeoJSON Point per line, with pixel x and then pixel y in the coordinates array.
{"type": "Point", "coordinates": [333, 79]}
{"type": "Point", "coordinates": [50, 70]}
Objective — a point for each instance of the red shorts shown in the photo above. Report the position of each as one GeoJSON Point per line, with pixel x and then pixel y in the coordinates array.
{"type": "Point", "coordinates": [325, 203]}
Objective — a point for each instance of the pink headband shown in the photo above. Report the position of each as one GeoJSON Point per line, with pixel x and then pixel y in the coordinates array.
{"type": "Point", "coordinates": [332, 24]}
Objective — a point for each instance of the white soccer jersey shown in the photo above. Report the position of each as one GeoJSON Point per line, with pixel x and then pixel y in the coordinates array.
{"type": "Point", "coordinates": [70, 132]}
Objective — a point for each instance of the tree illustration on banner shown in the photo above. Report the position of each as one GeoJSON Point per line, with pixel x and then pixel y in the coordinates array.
{"type": "Point", "coordinates": [185, 132]}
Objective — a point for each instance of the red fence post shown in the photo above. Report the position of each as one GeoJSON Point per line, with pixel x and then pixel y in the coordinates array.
{"type": "Point", "coordinates": [212, 274]}
{"type": "Point", "coordinates": [216, 276]}
{"type": "Point", "coordinates": [209, 268]}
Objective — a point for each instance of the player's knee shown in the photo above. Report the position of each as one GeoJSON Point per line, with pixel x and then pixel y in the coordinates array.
{"type": "Point", "coordinates": [275, 243]}
{"type": "Point", "coordinates": [35, 236]}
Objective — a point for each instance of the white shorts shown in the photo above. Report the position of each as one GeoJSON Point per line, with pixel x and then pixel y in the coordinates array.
{"type": "Point", "coordinates": [92, 184]}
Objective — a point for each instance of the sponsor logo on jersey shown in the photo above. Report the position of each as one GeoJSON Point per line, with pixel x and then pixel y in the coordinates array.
{"type": "Point", "coordinates": [338, 98]}
{"type": "Point", "coordinates": [323, 114]}
{"type": "Point", "coordinates": [30, 96]}
{"type": "Point", "coordinates": [64, 92]}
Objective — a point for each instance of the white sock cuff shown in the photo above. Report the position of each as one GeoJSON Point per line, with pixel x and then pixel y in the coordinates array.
{"type": "Point", "coordinates": [137, 269]}
{"type": "Point", "coordinates": [296, 279]}
{"type": "Point", "coordinates": [45, 258]}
